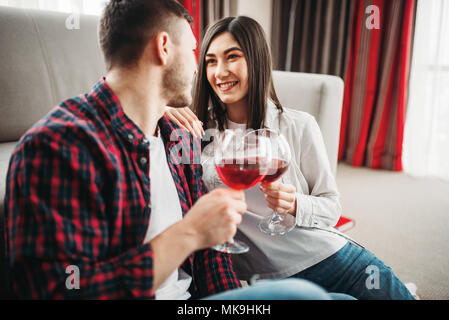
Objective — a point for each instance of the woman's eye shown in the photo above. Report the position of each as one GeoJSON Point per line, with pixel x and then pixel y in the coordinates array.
{"type": "Point", "coordinates": [232, 56]}
{"type": "Point", "coordinates": [210, 61]}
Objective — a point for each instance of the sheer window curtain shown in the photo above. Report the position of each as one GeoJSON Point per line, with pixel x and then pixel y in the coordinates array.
{"type": "Point", "coordinates": [93, 7]}
{"type": "Point", "coordinates": [426, 141]}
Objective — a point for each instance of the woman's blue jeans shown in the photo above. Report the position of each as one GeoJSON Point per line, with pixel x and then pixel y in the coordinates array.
{"type": "Point", "coordinates": [286, 289]}
{"type": "Point", "coordinates": [356, 271]}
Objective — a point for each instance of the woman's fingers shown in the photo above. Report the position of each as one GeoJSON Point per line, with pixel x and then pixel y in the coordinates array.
{"type": "Point", "coordinates": [280, 197]}
{"type": "Point", "coordinates": [193, 120]}
{"type": "Point", "coordinates": [196, 120]}
{"type": "Point", "coordinates": [185, 120]}
{"type": "Point", "coordinates": [280, 205]}
{"type": "Point", "coordinates": [190, 113]}
{"type": "Point", "coordinates": [175, 117]}
{"type": "Point", "coordinates": [277, 186]}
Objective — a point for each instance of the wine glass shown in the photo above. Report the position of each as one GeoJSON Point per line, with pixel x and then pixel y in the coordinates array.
{"type": "Point", "coordinates": [241, 163]}
{"type": "Point", "coordinates": [276, 224]}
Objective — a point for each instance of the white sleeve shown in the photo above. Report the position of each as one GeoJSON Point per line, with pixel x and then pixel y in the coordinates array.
{"type": "Point", "coordinates": [321, 208]}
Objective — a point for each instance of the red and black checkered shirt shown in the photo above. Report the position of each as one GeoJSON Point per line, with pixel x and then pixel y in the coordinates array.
{"type": "Point", "coordinates": [78, 194]}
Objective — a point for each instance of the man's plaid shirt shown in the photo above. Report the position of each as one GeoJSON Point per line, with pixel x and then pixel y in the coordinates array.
{"type": "Point", "coordinates": [78, 193]}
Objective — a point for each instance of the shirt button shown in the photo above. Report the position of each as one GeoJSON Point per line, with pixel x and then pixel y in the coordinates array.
{"type": "Point", "coordinates": [145, 140]}
{"type": "Point", "coordinates": [143, 160]}
{"type": "Point", "coordinates": [149, 206]}
{"type": "Point", "coordinates": [130, 136]}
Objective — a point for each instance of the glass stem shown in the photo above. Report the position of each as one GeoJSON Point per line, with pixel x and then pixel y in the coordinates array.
{"type": "Point", "coordinates": [276, 218]}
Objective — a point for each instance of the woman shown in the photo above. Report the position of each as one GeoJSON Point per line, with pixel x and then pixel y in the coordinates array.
{"type": "Point", "coordinates": [234, 90]}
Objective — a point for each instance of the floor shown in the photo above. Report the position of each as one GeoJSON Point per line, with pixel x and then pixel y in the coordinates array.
{"type": "Point", "coordinates": [404, 221]}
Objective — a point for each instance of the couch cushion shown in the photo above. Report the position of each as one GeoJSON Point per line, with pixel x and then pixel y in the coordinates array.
{"type": "Point", "coordinates": [41, 63]}
{"type": "Point", "coordinates": [321, 96]}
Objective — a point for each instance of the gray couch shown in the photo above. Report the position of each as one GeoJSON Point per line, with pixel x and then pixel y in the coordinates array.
{"type": "Point", "coordinates": [42, 62]}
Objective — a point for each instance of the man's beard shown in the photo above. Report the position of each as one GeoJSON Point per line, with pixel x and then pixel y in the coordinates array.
{"type": "Point", "coordinates": [176, 86]}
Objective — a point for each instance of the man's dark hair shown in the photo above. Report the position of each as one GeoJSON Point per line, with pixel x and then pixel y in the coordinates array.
{"type": "Point", "coordinates": [126, 26]}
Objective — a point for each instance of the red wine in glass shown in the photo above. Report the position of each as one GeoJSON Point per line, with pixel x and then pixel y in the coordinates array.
{"type": "Point", "coordinates": [240, 173]}
{"type": "Point", "coordinates": [276, 169]}
{"type": "Point", "coordinates": [276, 224]}
{"type": "Point", "coordinates": [241, 162]}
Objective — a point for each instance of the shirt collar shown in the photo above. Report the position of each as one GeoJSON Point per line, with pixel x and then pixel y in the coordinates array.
{"type": "Point", "coordinates": [110, 103]}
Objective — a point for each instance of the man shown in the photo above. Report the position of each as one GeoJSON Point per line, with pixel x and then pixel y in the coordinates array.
{"type": "Point", "coordinates": [95, 195]}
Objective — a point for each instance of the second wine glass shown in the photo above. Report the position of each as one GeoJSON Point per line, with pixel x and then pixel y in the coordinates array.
{"type": "Point", "coordinates": [276, 224]}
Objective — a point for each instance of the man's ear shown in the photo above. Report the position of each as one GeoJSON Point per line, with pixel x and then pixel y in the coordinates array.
{"type": "Point", "coordinates": [162, 47]}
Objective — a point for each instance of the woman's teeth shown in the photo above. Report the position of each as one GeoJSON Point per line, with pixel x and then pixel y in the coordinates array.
{"type": "Point", "coordinates": [227, 85]}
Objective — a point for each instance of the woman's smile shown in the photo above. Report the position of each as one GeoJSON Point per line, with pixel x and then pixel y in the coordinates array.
{"type": "Point", "coordinates": [227, 86]}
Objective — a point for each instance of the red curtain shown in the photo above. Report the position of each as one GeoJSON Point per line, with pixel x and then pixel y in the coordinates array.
{"type": "Point", "coordinates": [376, 84]}
{"type": "Point", "coordinates": [194, 8]}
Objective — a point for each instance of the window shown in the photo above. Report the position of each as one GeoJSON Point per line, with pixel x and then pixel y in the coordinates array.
{"type": "Point", "coordinates": [426, 139]}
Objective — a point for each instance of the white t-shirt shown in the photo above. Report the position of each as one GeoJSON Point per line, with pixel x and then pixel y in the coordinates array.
{"type": "Point", "coordinates": [165, 211]}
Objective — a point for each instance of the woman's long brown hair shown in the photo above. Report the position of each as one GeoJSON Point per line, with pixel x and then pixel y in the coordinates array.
{"type": "Point", "coordinates": [251, 38]}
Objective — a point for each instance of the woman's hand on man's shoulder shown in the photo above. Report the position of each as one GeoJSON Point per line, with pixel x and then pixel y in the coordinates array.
{"type": "Point", "coordinates": [186, 119]}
